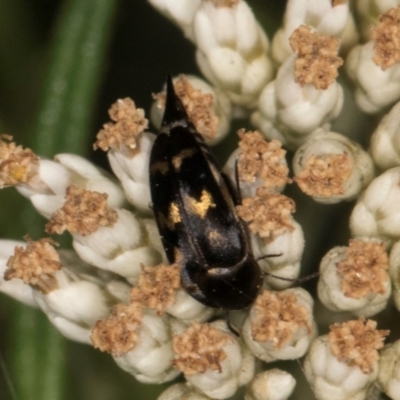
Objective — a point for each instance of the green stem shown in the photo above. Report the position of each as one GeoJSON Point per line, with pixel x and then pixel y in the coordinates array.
{"type": "Point", "coordinates": [74, 74]}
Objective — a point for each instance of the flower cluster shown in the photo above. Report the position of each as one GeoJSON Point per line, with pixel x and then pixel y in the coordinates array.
{"type": "Point", "coordinates": [116, 291]}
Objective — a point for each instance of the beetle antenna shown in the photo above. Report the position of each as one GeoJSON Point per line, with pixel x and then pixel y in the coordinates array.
{"type": "Point", "coordinates": [297, 280]}
{"type": "Point", "coordinates": [231, 327]}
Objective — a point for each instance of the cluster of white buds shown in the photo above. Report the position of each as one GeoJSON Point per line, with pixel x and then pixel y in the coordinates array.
{"type": "Point", "coordinates": [44, 182]}
{"type": "Point", "coordinates": [117, 292]}
{"type": "Point", "coordinates": [262, 173]}
{"type": "Point", "coordinates": [304, 95]}
{"type": "Point", "coordinates": [231, 46]}
{"type": "Point", "coordinates": [71, 293]}
{"type": "Point", "coordinates": [137, 310]}
{"type": "Point", "coordinates": [331, 168]}
{"type": "Point", "coordinates": [374, 67]}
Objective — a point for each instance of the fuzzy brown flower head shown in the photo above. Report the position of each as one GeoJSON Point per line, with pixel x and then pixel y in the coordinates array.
{"type": "Point", "coordinates": [387, 39]}
{"type": "Point", "coordinates": [317, 61]}
{"type": "Point", "coordinates": [259, 158]}
{"type": "Point", "coordinates": [83, 212]}
{"type": "Point", "coordinates": [157, 287]}
{"type": "Point", "coordinates": [277, 317]}
{"type": "Point", "coordinates": [122, 135]}
{"type": "Point", "coordinates": [117, 334]}
{"type": "Point", "coordinates": [17, 165]}
{"type": "Point", "coordinates": [364, 271]}
{"type": "Point", "coordinates": [224, 3]}
{"type": "Point", "coordinates": [199, 348]}
{"type": "Point", "coordinates": [325, 176]}
{"type": "Point", "coordinates": [356, 342]}
{"type": "Point", "coordinates": [198, 105]}
{"type": "Point", "coordinates": [35, 264]}
{"type": "Point", "coordinates": [268, 214]}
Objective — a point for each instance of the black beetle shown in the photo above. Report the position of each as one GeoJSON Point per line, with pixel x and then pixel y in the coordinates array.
{"type": "Point", "coordinates": [194, 206]}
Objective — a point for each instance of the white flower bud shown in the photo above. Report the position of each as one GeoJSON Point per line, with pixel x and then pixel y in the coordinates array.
{"type": "Point", "coordinates": [273, 384]}
{"type": "Point", "coordinates": [232, 50]}
{"type": "Point", "coordinates": [286, 250]}
{"type": "Point", "coordinates": [66, 289]}
{"type": "Point", "coordinates": [322, 15]}
{"type": "Point", "coordinates": [374, 67]}
{"type": "Point", "coordinates": [150, 360]}
{"type": "Point", "coordinates": [331, 168]}
{"type": "Point", "coordinates": [257, 163]}
{"type": "Point", "coordinates": [121, 248]}
{"type": "Point", "coordinates": [180, 12]}
{"type": "Point", "coordinates": [15, 288]}
{"type": "Point", "coordinates": [355, 278]}
{"type": "Point", "coordinates": [48, 190]}
{"type": "Point", "coordinates": [290, 112]}
{"type": "Point", "coordinates": [139, 341]}
{"type": "Point", "coordinates": [133, 172]}
{"type": "Point", "coordinates": [75, 306]}
{"type": "Point", "coordinates": [344, 364]}
{"type": "Point", "coordinates": [280, 325]}
{"type": "Point", "coordinates": [213, 360]}
{"type": "Point", "coordinates": [182, 391]}
{"type": "Point", "coordinates": [188, 310]}
{"type": "Point", "coordinates": [377, 212]}
{"type": "Point", "coordinates": [389, 370]}
{"type": "Point", "coordinates": [385, 141]}
{"type": "Point", "coordinates": [159, 288]}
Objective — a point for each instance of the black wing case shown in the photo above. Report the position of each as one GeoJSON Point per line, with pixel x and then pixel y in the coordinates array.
{"type": "Point", "coordinates": [192, 203]}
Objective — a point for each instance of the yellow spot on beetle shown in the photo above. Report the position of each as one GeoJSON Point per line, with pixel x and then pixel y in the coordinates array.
{"type": "Point", "coordinates": [201, 207]}
{"type": "Point", "coordinates": [174, 215]}
{"type": "Point", "coordinates": [178, 159]}
{"type": "Point", "coordinates": [159, 166]}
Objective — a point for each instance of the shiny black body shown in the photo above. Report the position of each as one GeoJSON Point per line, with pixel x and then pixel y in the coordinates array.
{"type": "Point", "coordinates": [194, 206]}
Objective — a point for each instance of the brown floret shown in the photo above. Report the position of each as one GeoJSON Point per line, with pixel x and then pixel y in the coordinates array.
{"type": "Point", "coordinates": [17, 165]}
{"type": "Point", "coordinates": [317, 61]}
{"type": "Point", "coordinates": [122, 134]}
{"type": "Point", "coordinates": [157, 287]}
{"type": "Point", "coordinates": [268, 214]}
{"type": "Point", "coordinates": [200, 348]}
{"type": "Point", "coordinates": [35, 264]}
{"type": "Point", "coordinates": [364, 271]}
{"type": "Point", "coordinates": [326, 175]}
{"type": "Point", "coordinates": [117, 334]}
{"type": "Point", "coordinates": [259, 158]}
{"type": "Point", "coordinates": [387, 39]}
{"type": "Point", "coordinates": [356, 342]}
{"type": "Point", "coordinates": [278, 317]}
{"type": "Point", "coordinates": [198, 105]}
{"type": "Point", "coordinates": [83, 212]}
